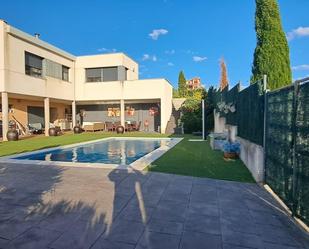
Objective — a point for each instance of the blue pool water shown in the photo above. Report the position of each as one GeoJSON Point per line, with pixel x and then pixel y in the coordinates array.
{"type": "Point", "coordinates": [112, 151]}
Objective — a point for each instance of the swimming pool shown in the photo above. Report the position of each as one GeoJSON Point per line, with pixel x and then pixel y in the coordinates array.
{"type": "Point", "coordinates": [108, 151]}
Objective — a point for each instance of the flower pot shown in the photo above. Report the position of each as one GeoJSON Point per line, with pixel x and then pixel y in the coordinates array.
{"type": "Point", "coordinates": [12, 135]}
{"type": "Point", "coordinates": [230, 155]}
{"type": "Point", "coordinates": [77, 129]}
{"type": "Point", "coordinates": [52, 132]}
{"type": "Point", "coordinates": [120, 129]}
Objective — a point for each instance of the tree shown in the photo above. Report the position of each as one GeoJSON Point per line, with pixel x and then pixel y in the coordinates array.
{"type": "Point", "coordinates": [271, 56]}
{"type": "Point", "coordinates": [223, 80]}
{"type": "Point", "coordinates": [182, 87]}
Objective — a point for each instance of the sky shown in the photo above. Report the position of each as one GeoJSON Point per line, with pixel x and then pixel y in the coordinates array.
{"type": "Point", "coordinates": [164, 36]}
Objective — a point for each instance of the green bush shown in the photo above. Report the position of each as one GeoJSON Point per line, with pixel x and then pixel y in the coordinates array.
{"type": "Point", "coordinates": [192, 115]}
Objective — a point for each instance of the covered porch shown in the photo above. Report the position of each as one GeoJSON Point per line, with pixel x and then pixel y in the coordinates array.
{"type": "Point", "coordinates": [139, 115]}
{"type": "Point", "coordinates": [31, 114]}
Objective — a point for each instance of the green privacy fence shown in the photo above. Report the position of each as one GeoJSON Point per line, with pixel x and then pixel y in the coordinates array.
{"type": "Point", "coordinates": [286, 135]}
{"type": "Point", "coordinates": [244, 109]}
{"type": "Point", "coordinates": [287, 146]}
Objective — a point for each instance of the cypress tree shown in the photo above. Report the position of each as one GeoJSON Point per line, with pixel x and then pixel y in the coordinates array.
{"type": "Point", "coordinates": [182, 87]}
{"type": "Point", "coordinates": [271, 56]}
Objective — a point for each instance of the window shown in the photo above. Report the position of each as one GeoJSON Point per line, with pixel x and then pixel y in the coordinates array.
{"type": "Point", "coordinates": [33, 65]}
{"type": "Point", "coordinates": [110, 74]}
{"type": "Point", "coordinates": [94, 75]}
{"type": "Point", "coordinates": [65, 73]}
{"type": "Point", "coordinates": [101, 74]}
{"type": "Point", "coordinates": [56, 70]}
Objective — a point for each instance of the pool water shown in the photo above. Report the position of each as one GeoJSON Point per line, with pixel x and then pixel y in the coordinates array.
{"type": "Point", "coordinates": [111, 151]}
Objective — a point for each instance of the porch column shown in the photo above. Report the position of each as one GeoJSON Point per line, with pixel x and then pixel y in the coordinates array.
{"type": "Point", "coordinates": [73, 114]}
{"type": "Point", "coordinates": [122, 112]}
{"type": "Point", "coordinates": [46, 115]}
{"type": "Point", "coordinates": [5, 114]}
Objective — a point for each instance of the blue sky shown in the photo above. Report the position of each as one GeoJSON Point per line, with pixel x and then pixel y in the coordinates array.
{"type": "Point", "coordinates": [164, 36]}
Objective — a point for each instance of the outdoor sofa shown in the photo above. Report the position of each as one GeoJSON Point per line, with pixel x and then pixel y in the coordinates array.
{"type": "Point", "coordinates": [93, 126]}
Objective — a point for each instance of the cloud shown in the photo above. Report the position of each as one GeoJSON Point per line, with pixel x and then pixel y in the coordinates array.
{"type": "Point", "coordinates": [157, 32]}
{"type": "Point", "coordinates": [172, 51]}
{"type": "Point", "coordinates": [170, 64]}
{"type": "Point", "coordinates": [299, 32]}
{"type": "Point", "coordinates": [147, 57]}
{"type": "Point", "coordinates": [301, 68]}
{"type": "Point", "coordinates": [107, 50]}
{"type": "Point", "coordinates": [199, 58]}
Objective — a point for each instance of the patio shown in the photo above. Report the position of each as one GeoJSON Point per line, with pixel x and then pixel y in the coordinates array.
{"type": "Point", "coordinates": [54, 207]}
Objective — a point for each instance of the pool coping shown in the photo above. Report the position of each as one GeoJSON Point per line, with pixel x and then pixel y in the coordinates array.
{"type": "Point", "coordinates": [139, 164]}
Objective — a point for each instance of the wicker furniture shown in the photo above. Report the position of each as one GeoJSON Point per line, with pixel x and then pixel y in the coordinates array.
{"type": "Point", "coordinates": [95, 126]}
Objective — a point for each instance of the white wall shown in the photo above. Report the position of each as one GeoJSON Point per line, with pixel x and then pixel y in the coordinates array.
{"type": "Point", "coordinates": [253, 157]}
{"type": "Point", "coordinates": [251, 154]}
{"type": "Point", "coordinates": [2, 56]}
{"type": "Point", "coordinates": [20, 83]}
{"type": "Point", "coordinates": [219, 123]}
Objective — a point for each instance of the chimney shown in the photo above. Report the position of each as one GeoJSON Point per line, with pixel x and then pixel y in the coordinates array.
{"type": "Point", "coordinates": [37, 35]}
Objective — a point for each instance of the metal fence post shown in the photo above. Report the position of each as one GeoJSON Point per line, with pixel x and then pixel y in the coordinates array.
{"type": "Point", "coordinates": [265, 123]}
{"type": "Point", "coordinates": [203, 120]}
{"type": "Point", "coordinates": [294, 131]}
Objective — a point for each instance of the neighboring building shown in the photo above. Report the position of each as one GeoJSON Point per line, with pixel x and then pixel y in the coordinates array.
{"type": "Point", "coordinates": [40, 83]}
{"type": "Point", "coordinates": [194, 83]}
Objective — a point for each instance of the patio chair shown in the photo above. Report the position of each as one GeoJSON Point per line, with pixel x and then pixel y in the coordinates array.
{"type": "Point", "coordinates": [128, 127]}
{"type": "Point", "coordinates": [109, 126]}
{"type": "Point", "coordinates": [133, 125]}
{"type": "Point", "coordinates": [35, 128]}
{"type": "Point", "coordinates": [138, 127]}
{"type": "Point", "coordinates": [116, 124]}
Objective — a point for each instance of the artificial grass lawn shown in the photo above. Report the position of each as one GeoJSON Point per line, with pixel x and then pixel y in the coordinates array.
{"type": "Point", "coordinates": [42, 142]}
{"type": "Point", "coordinates": [186, 158]}
{"type": "Point", "coordinates": [198, 159]}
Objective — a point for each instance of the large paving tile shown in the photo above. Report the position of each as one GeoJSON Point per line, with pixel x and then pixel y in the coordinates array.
{"type": "Point", "coordinates": [203, 209]}
{"type": "Point", "coordinates": [102, 243]}
{"type": "Point", "coordinates": [203, 224]}
{"type": "Point", "coordinates": [154, 240]}
{"type": "Point", "coordinates": [196, 240]}
{"type": "Point", "coordinates": [170, 211]}
{"type": "Point", "coordinates": [239, 223]}
{"type": "Point", "coordinates": [242, 239]}
{"type": "Point", "coordinates": [124, 231]}
{"type": "Point", "coordinates": [261, 217]}
{"type": "Point", "coordinates": [167, 227]}
{"type": "Point", "coordinates": [82, 235]}
{"type": "Point", "coordinates": [176, 196]}
{"type": "Point", "coordinates": [15, 227]}
{"type": "Point", "coordinates": [277, 235]}
{"type": "Point", "coordinates": [136, 212]}
{"type": "Point", "coordinates": [277, 246]}
{"type": "Point", "coordinates": [59, 221]}
{"type": "Point", "coordinates": [34, 238]}
{"type": "Point", "coordinates": [3, 242]}
{"type": "Point", "coordinates": [150, 200]}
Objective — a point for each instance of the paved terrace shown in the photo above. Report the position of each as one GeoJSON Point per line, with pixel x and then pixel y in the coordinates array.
{"type": "Point", "coordinates": [54, 207]}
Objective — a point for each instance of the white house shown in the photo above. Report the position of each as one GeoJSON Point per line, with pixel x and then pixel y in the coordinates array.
{"type": "Point", "coordinates": [42, 83]}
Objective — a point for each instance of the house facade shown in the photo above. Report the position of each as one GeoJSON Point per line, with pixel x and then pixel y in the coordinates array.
{"type": "Point", "coordinates": [194, 83]}
{"type": "Point", "coordinates": [40, 83]}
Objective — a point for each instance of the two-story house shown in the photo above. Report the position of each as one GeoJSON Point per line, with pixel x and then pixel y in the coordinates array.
{"type": "Point", "coordinates": [40, 83]}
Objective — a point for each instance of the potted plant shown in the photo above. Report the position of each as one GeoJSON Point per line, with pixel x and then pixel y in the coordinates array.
{"type": "Point", "coordinates": [12, 134]}
{"type": "Point", "coordinates": [77, 129]}
{"type": "Point", "coordinates": [120, 129]}
{"type": "Point", "coordinates": [231, 150]}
